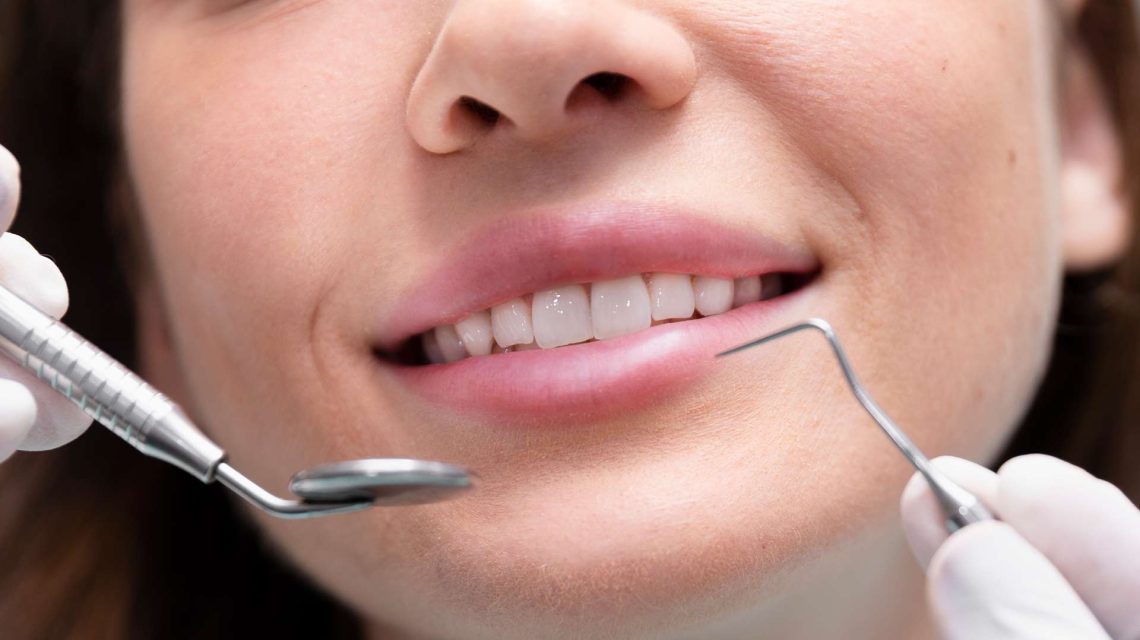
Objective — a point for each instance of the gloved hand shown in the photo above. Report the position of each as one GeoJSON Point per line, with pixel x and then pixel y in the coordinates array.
{"type": "Point", "coordinates": [1063, 562]}
{"type": "Point", "coordinates": [32, 415]}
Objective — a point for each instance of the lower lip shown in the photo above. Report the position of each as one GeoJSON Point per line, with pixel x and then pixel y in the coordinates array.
{"type": "Point", "coordinates": [593, 380]}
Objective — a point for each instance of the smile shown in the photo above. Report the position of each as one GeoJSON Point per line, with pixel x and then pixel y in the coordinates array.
{"type": "Point", "coordinates": [586, 313]}
{"type": "Point", "coordinates": [577, 313]}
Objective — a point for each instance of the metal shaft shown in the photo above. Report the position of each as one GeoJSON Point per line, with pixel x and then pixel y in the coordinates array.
{"type": "Point", "coordinates": [279, 507]}
{"type": "Point", "coordinates": [104, 388]}
{"type": "Point", "coordinates": [149, 421]}
{"type": "Point", "coordinates": [960, 506]}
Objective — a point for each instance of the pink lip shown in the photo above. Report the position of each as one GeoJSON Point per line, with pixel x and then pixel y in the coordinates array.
{"type": "Point", "coordinates": [515, 257]}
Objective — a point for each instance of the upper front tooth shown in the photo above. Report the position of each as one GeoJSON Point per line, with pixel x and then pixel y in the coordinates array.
{"type": "Point", "coordinates": [745, 290]}
{"type": "Point", "coordinates": [714, 295]}
{"type": "Point", "coordinates": [619, 307]}
{"type": "Point", "coordinates": [671, 296]}
{"type": "Point", "coordinates": [475, 332]}
{"type": "Point", "coordinates": [561, 316]}
{"type": "Point", "coordinates": [510, 322]}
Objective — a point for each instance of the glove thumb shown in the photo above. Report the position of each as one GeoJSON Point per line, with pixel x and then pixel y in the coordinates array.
{"type": "Point", "coordinates": [986, 581]}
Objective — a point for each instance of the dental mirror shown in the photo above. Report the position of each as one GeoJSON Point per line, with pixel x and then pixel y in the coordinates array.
{"type": "Point", "coordinates": [383, 481]}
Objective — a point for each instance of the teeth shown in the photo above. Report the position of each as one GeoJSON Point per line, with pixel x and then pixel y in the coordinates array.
{"type": "Point", "coordinates": [475, 332]}
{"type": "Point", "coordinates": [431, 348]}
{"type": "Point", "coordinates": [772, 285]}
{"type": "Point", "coordinates": [619, 307]}
{"type": "Point", "coordinates": [561, 316]}
{"type": "Point", "coordinates": [576, 313]}
{"type": "Point", "coordinates": [449, 343]}
{"type": "Point", "coordinates": [671, 296]}
{"type": "Point", "coordinates": [714, 295]}
{"type": "Point", "coordinates": [746, 291]}
{"type": "Point", "coordinates": [510, 322]}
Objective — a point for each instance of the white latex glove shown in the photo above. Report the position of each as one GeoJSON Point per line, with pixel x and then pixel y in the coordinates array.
{"type": "Point", "coordinates": [1064, 562]}
{"type": "Point", "coordinates": [32, 415]}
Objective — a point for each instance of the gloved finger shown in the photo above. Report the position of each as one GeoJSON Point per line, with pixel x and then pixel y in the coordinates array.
{"type": "Point", "coordinates": [17, 414]}
{"type": "Point", "coordinates": [39, 281]}
{"type": "Point", "coordinates": [987, 581]}
{"type": "Point", "coordinates": [9, 188]}
{"type": "Point", "coordinates": [1086, 527]}
{"type": "Point", "coordinates": [923, 520]}
{"type": "Point", "coordinates": [58, 420]}
{"type": "Point", "coordinates": [32, 276]}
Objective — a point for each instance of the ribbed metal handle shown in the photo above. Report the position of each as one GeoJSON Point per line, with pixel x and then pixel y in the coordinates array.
{"type": "Point", "coordinates": [103, 388]}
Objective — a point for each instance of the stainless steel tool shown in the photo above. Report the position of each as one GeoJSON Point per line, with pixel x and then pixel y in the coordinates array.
{"type": "Point", "coordinates": [156, 426]}
{"type": "Point", "coordinates": [960, 507]}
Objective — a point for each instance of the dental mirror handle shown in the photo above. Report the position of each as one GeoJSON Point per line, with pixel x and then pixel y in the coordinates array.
{"type": "Point", "coordinates": [103, 388]}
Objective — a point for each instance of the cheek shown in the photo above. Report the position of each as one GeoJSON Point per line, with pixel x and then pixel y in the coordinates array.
{"type": "Point", "coordinates": [935, 123]}
{"type": "Point", "coordinates": [241, 162]}
{"type": "Point", "coordinates": [253, 179]}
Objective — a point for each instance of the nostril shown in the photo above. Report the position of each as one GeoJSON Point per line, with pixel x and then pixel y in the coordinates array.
{"type": "Point", "coordinates": [484, 112]}
{"type": "Point", "coordinates": [610, 85]}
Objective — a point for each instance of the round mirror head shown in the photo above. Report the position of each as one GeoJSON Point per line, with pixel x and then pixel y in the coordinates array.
{"type": "Point", "coordinates": [384, 481]}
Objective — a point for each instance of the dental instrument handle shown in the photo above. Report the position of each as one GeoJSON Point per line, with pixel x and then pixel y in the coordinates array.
{"type": "Point", "coordinates": [960, 507]}
{"type": "Point", "coordinates": [103, 388]}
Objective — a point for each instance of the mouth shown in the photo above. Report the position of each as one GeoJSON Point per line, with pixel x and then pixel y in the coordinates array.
{"type": "Point", "coordinates": [564, 316]}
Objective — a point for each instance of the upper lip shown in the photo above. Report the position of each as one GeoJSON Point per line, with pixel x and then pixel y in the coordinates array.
{"type": "Point", "coordinates": [522, 254]}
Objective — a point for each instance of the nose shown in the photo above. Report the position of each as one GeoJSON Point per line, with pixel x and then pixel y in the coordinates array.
{"type": "Point", "coordinates": [543, 69]}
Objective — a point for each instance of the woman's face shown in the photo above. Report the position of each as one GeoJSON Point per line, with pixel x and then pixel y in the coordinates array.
{"type": "Point", "coordinates": [319, 185]}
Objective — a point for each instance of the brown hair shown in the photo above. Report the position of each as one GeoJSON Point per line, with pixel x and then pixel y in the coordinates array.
{"type": "Point", "coordinates": [98, 541]}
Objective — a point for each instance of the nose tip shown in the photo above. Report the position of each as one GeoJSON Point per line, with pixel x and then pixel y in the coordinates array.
{"type": "Point", "coordinates": [540, 69]}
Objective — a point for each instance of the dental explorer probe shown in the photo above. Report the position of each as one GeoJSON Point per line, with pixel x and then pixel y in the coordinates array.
{"type": "Point", "coordinates": [960, 507]}
{"type": "Point", "coordinates": [152, 423]}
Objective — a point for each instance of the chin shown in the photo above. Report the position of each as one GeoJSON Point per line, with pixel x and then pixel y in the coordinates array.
{"type": "Point", "coordinates": [657, 549]}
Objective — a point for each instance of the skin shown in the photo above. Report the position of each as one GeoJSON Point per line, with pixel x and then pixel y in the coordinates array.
{"type": "Point", "coordinates": [287, 165]}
